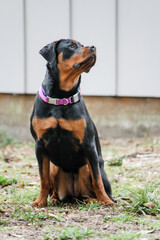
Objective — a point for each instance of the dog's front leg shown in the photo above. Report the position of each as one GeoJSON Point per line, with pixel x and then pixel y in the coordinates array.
{"type": "Point", "coordinates": [98, 187]}
{"type": "Point", "coordinates": [43, 163]}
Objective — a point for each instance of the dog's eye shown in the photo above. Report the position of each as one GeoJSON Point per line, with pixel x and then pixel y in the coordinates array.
{"type": "Point", "coordinates": [73, 46]}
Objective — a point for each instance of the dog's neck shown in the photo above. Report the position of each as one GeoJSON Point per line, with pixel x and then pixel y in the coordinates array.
{"type": "Point", "coordinates": [52, 87]}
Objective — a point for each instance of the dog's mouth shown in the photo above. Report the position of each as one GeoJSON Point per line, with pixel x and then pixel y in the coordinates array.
{"type": "Point", "coordinates": [87, 63]}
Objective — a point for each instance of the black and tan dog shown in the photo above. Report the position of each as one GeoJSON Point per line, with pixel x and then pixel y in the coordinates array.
{"type": "Point", "coordinates": [67, 145]}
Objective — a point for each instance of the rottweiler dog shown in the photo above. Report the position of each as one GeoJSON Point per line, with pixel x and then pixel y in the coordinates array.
{"type": "Point", "coordinates": [66, 141]}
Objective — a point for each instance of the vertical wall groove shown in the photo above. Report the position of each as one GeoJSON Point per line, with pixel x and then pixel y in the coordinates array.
{"type": "Point", "coordinates": [116, 48]}
{"type": "Point", "coordinates": [70, 19]}
{"type": "Point", "coordinates": [25, 44]}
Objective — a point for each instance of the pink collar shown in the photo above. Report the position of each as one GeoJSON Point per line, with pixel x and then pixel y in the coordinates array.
{"type": "Point", "coordinates": [57, 101]}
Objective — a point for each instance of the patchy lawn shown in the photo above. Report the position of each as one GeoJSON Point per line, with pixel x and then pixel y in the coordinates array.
{"type": "Point", "coordinates": [132, 166]}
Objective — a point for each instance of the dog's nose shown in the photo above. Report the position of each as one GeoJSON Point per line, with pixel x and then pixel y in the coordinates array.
{"type": "Point", "coordinates": [93, 48]}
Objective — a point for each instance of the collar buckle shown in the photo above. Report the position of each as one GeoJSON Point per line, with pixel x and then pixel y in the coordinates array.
{"type": "Point", "coordinates": [52, 100]}
{"type": "Point", "coordinates": [65, 99]}
{"type": "Point", "coordinates": [59, 101]}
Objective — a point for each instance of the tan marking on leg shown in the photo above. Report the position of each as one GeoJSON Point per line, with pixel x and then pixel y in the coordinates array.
{"type": "Point", "coordinates": [76, 126]}
{"type": "Point", "coordinates": [53, 174]}
{"type": "Point", "coordinates": [44, 184]}
{"type": "Point", "coordinates": [84, 181]}
{"type": "Point", "coordinates": [53, 181]}
{"type": "Point", "coordinates": [98, 188]}
{"type": "Point", "coordinates": [40, 126]}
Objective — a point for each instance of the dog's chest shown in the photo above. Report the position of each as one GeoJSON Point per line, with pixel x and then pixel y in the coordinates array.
{"type": "Point", "coordinates": [76, 127]}
{"type": "Point", "coordinates": [63, 141]}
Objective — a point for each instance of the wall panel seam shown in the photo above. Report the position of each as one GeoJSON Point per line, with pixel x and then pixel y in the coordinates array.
{"type": "Point", "coordinates": [25, 46]}
{"type": "Point", "coordinates": [70, 19]}
{"type": "Point", "coordinates": [116, 48]}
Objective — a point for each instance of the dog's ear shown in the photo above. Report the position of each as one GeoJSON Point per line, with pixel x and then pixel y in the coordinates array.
{"type": "Point", "coordinates": [48, 52]}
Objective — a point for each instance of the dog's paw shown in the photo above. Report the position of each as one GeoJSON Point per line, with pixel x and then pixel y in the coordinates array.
{"type": "Point", "coordinates": [107, 202]}
{"type": "Point", "coordinates": [39, 203]}
{"type": "Point", "coordinates": [89, 200]}
{"type": "Point", "coordinates": [54, 200]}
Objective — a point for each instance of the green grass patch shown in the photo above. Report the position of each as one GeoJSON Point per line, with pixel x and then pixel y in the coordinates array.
{"type": "Point", "coordinates": [18, 196]}
{"type": "Point", "coordinates": [115, 161]}
{"type": "Point", "coordinates": [91, 206]}
{"type": "Point", "coordinates": [125, 235]}
{"type": "Point", "coordinates": [5, 181]}
{"type": "Point", "coordinates": [142, 201]}
{"type": "Point", "coordinates": [122, 218]}
{"type": "Point", "coordinates": [74, 233]}
{"type": "Point", "coordinates": [27, 215]}
{"type": "Point", "coordinates": [30, 215]}
{"type": "Point", "coordinates": [129, 218]}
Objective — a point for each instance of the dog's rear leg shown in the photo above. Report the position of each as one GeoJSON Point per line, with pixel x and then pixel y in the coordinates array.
{"type": "Point", "coordinates": [105, 181]}
{"type": "Point", "coordinates": [43, 163]}
{"type": "Point", "coordinates": [98, 187]}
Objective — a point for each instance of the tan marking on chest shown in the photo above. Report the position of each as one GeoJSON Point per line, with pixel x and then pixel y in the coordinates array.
{"type": "Point", "coordinates": [40, 126]}
{"type": "Point", "coordinates": [76, 126]}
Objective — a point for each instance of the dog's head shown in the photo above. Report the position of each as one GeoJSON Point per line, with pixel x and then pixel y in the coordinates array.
{"type": "Point", "coordinates": [71, 58]}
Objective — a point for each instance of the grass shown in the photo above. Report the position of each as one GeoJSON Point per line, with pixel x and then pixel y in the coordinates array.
{"type": "Point", "coordinates": [155, 142]}
{"type": "Point", "coordinates": [92, 206]}
{"type": "Point", "coordinates": [133, 186]}
{"type": "Point", "coordinates": [115, 161]}
{"type": "Point", "coordinates": [122, 218]}
{"type": "Point", "coordinates": [5, 181]}
{"type": "Point", "coordinates": [141, 221]}
{"type": "Point", "coordinates": [142, 201]}
{"type": "Point", "coordinates": [125, 235]}
{"type": "Point", "coordinates": [29, 215]}
{"type": "Point", "coordinates": [74, 233]}
{"type": "Point", "coordinates": [3, 223]}
{"type": "Point", "coordinates": [69, 232]}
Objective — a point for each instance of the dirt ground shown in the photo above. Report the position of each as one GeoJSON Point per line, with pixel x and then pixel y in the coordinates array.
{"type": "Point", "coordinates": [133, 168]}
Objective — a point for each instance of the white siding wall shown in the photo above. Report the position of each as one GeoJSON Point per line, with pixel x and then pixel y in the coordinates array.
{"type": "Point", "coordinates": [93, 23]}
{"type": "Point", "coordinates": [125, 32]}
{"type": "Point", "coordinates": [11, 46]}
{"type": "Point", "coordinates": [46, 21]}
{"type": "Point", "coordinates": [139, 48]}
